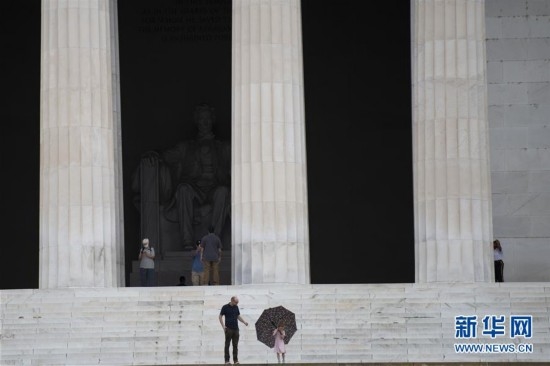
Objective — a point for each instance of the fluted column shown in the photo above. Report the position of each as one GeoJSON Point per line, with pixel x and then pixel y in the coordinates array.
{"type": "Point", "coordinates": [453, 220]}
{"type": "Point", "coordinates": [269, 190]}
{"type": "Point", "coordinates": [81, 231]}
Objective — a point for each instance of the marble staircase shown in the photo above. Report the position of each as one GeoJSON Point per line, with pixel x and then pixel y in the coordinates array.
{"type": "Point", "coordinates": [337, 324]}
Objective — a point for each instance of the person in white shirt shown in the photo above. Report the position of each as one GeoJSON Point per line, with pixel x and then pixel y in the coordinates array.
{"type": "Point", "coordinates": [147, 264]}
{"type": "Point", "coordinates": [499, 263]}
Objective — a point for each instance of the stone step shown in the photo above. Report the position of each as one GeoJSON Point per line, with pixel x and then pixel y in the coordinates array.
{"type": "Point", "coordinates": [336, 323]}
{"type": "Point", "coordinates": [379, 363]}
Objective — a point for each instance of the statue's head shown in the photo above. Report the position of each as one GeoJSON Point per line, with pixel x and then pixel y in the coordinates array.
{"type": "Point", "coordinates": [204, 118]}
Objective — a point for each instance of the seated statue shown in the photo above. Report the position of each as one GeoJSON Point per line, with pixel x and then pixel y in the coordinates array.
{"type": "Point", "coordinates": [187, 185]}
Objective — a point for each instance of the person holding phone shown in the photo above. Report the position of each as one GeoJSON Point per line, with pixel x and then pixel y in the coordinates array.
{"type": "Point", "coordinates": [147, 264]}
{"type": "Point", "coordinates": [197, 269]}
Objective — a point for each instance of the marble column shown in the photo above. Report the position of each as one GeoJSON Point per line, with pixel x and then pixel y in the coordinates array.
{"type": "Point", "coordinates": [269, 192]}
{"type": "Point", "coordinates": [81, 230]}
{"type": "Point", "coordinates": [453, 219]}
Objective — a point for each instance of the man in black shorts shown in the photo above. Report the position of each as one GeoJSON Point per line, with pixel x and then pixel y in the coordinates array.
{"type": "Point", "coordinates": [231, 327]}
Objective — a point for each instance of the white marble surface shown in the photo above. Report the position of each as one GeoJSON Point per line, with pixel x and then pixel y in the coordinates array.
{"type": "Point", "coordinates": [269, 190]}
{"type": "Point", "coordinates": [452, 193]}
{"type": "Point", "coordinates": [336, 323]}
{"type": "Point", "coordinates": [81, 232]}
{"type": "Point", "coordinates": [518, 69]}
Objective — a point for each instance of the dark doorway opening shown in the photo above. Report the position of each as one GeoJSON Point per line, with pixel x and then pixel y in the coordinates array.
{"type": "Point", "coordinates": [359, 140]}
{"type": "Point", "coordinates": [174, 55]}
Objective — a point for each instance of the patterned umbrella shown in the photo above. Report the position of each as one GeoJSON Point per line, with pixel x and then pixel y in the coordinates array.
{"type": "Point", "coordinates": [268, 321]}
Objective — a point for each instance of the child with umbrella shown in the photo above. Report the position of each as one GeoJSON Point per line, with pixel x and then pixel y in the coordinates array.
{"type": "Point", "coordinates": [279, 347]}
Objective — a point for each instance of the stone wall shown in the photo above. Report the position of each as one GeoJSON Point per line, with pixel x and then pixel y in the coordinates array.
{"type": "Point", "coordinates": [518, 74]}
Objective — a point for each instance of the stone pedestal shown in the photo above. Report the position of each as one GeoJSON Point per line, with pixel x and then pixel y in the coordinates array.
{"type": "Point", "coordinates": [81, 231]}
{"type": "Point", "coordinates": [269, 191]}
{"type": "Point", "coordinates": [453, 220]}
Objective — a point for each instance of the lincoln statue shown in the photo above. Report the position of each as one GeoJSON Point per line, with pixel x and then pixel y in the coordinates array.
{"type": "Point", "coordinates": [191, 182]}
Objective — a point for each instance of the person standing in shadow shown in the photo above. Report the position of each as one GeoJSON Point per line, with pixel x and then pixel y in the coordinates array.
{"type": "Point", "coordinates": [499, 263]}
{"type": "Point", "coordinates": [182, 281]}
{"type": "Point", "coordinates": [211, 256]}
{"type": "Point", "coordinates": [197, 269]}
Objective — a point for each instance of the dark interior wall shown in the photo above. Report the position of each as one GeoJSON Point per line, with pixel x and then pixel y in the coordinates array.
{"type": "Point", "coordinates": [20, 142]}
{"type": "Point", "coordinates": [359, 145]}
{"type": "Point", "coordinates": [358, 124]}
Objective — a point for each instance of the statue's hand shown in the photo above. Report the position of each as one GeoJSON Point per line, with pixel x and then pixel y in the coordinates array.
{"type": "Point", "coordinates": [151, 157]}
